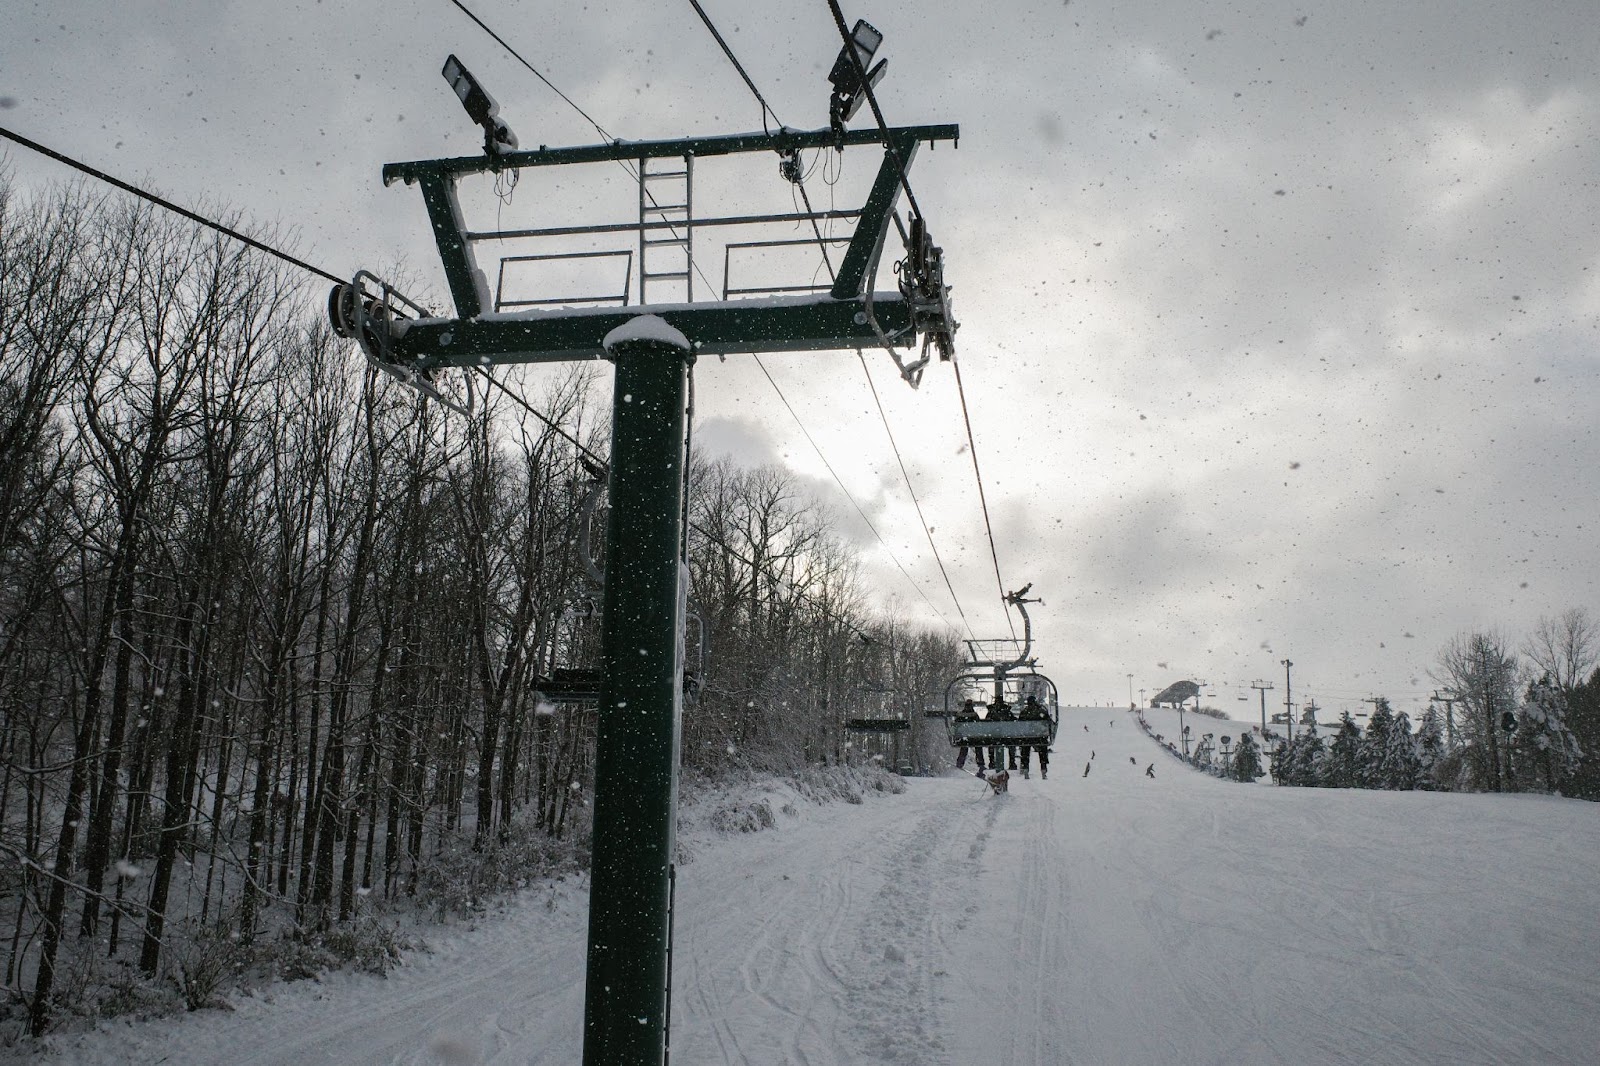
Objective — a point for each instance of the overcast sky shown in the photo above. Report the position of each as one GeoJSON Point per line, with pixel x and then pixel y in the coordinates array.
{"type": "Point", "coordinates": [1278, 321]}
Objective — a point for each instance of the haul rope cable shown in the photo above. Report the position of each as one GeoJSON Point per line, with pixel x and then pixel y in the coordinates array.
{"type": "Point", "coordinates": [877, 113]}
{"type": "Point", "coordinates": [882, 417]}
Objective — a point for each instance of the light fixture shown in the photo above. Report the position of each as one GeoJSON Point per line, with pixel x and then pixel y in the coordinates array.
{"type": "Point", "coordinates": [480, 107]}
{"type": "Point", "coordinates": [848, 88]}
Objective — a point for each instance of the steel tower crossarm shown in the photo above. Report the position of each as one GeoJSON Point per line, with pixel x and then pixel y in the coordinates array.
{"type": "Point", "coordinates": [843, 319]}
{"type": "Point", "coordinates": [775, 324]}
{"type": "Point", "coordinates": [727, 144]}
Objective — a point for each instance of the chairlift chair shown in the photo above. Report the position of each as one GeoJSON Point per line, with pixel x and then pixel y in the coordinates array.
{"type": "Point", "coordinates": [1012, 676]}
{"type": "Point", "coordinates": [1014, 688]}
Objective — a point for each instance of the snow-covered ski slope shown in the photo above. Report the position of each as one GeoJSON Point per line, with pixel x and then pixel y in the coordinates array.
{"type": "Point", "coordinates": [1106, 919]}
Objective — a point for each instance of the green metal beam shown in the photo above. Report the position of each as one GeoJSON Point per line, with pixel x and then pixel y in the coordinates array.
{"type": "Point", "coordinates": [874, 223]}
{"type": "Point", "coordinates": [444, 212]}
{"type": "Point", "coordinates": [802, 323]}
{"type": "Point", "coordinates": [779, 140]}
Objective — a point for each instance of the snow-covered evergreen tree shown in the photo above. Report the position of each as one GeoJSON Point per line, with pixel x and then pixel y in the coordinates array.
{"type": "Point", "coordinates": [1282, 763]}
{"type": "Point", "coordinates": [1344, 755]}
{"type": "Point", "coordinates": [1430, 747]}
{"type": "Point", "coordinates": [1402, 761]}
{"type": "Point", "coordinates": [1371, 770]}
{"type": "Point", "coordinates": [1308, 757]}
{"type": "Point", "coordinates": [1389, 758]}
{"type": "Point", "coordinates": [1544, 749]}
{"type": "Point", "coordinates": [1246, 760]}
{"type": "Point", "coordinates": [1583, 717]}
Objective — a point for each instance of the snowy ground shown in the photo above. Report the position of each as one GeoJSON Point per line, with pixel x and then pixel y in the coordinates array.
{"type": "Point", "coordinates": [1105, 919]}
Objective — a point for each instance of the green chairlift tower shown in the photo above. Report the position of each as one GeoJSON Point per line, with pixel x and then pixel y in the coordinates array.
{"type": "Point", "coordinates": [652, 345]}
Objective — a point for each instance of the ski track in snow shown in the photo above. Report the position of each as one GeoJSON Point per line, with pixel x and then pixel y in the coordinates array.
{"type": "Point", "coordinates": [1090, 920]}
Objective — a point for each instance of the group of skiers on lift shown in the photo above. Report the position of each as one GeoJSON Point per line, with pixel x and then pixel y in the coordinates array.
{"type": "Point", "coordinates": [1004, 756]}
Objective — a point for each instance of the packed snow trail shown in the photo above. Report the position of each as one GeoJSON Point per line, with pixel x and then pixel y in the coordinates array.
{"type": "Point", "coordinates": [1113, 918]}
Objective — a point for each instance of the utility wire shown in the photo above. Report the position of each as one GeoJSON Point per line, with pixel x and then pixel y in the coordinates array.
{"type": "Point", "coordinates": [972, 449]}
{"type": "Point", "coordinates": [526, 406]}
{"type": "Point", "coordinates": [601, 130]}
{"type": "Point", "coordinates": [169, 205]}
{"type": "Point", "coordinates": [838, 481]}
{"type": "Point", "coordinates": [906, 477]}
{"type": "Point", "coordinates": [893, 444]}
{"type": "Point", "coordinates": [765, 110]}
{"type": "Point", "coordinates": [822, 244]}
{"type": "Point", "coordinates": [911, 198]}
{"type": "Point", "coordinates": [518, 57]}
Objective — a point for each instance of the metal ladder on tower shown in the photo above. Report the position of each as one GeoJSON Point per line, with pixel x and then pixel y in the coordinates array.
{"type": "Point", "coordinates": [666, 225]}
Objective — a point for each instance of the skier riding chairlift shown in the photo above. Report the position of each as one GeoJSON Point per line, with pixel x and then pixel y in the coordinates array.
{"type": "Point", "coordinates": [1033, 711]}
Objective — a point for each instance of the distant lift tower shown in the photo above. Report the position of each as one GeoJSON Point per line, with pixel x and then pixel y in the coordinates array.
{"type": "Point", "coordinates": [652, 346]}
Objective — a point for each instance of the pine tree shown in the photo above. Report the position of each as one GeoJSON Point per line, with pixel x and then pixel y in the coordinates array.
{"type": "Point", "coordinates": [1583, 715]}
{"type": "Point", "coordinates": [1430, 748]}
{"type": "Point", "coordinates": [1544, 748]}
{"type": "Point", "coordinates": [1373, 769]}
{"type": "Point", "coordinates": [1246, 760]}
{"type": "Point", "coordinates": [1309, 766]}
{"type": "Point", "coordinates": [1344, 755]}
{"type": "Point", "coordinates": [1403, 761]}
{"type": "Point", "coordinates": [1282, 764]}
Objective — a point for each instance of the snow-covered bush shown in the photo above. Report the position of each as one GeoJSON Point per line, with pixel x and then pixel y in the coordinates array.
{"type": "Point", "coordinates": [296, 958]}
{"type": "Point", "coordinates": [460, 877]}
{"type": "Point", "coordinates": [743, 817]}
{"type": "Point", "coordinates": [200, 962]}
{"type": "Point", "coordinates": [368, 943]}
{"type": "Point", "coordinates": [824, 784]}
{"type": "Point", "coordinates": [93, 986]}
